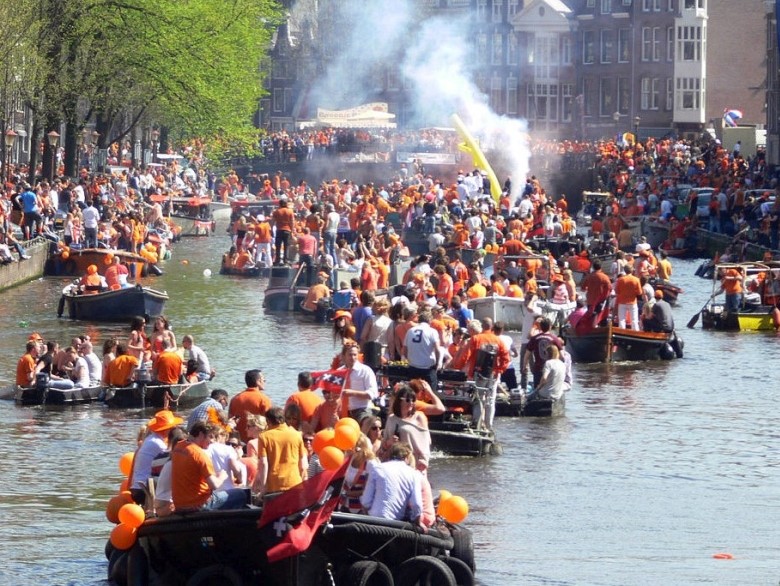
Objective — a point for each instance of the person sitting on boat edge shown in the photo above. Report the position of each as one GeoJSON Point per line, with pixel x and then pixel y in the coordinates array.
{"type": "Point", "coordinates": [163, 498]}
{"type": "Point", "coordinates": [552, 382]}
{"type": "Point", "coordinates": [211, 409]}
{"type": "Point", "coordinates": [167, 366]}
{"type": "Point", "coordinates": [393, 489]}
{"type": "Point", "coordinates": [660, 319]}
{"type": "Point", "coordinates": [92, 282]}
{"type": "Point", "coordinates": [25, 368]}
{"type": "Point", "coordinates": [538, 346]}
{"type": "Point", "coordinates": [156, 442]}
{"type": "Point", "coordinates": [194, 483]}
{"type": "Point", "coordinates": [119, 371]}
{"type": "Point", "coordinates": [204, 369]}
{"type": "Point", "coordinates": [407, 424]}
{"type": "Point", "coordinates": [315, 293]}
{"type": "Point", "coordinates": [45, 364]}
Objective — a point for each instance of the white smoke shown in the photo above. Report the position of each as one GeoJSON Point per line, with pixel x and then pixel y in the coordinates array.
{"type": "Point", "coordinates": [434, 56]}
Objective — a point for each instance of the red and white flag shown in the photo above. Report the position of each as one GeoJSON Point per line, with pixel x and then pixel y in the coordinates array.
{"type": "Point", "coordinates": [330, 381]}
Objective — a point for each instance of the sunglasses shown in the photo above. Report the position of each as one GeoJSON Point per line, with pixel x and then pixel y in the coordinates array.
{"type": "Point", "coordinates": [308, 440]}
{"type": "Point", "coordinates": [376, 428]}
{"type": "Point", "coordinates": [233, 445]}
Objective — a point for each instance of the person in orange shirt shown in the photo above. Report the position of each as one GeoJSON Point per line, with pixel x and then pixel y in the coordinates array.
{"type": "Point", "coordinates": [476, 290]}
{"type": "Point", "coordinates": [284, 220]}
{"type": "Point", "coordinates": [495, 285]}
{"type": "Point", "coordinates": [251, 400]}
{"type": "Point", "coordinates": [485, 339]}
{"type": "Point", "coordinates": [445, 289]}
{"type": "Point", "coordinates": [168, 365]}
{"type": "Point", "coordinates": [628, 289]}
{"type": "Point", "coordinates": [25, 368]}
{"type": "Point", "coordinates": [305, 398]}
{"type": "Point", "coordinates": [731, 283]}
{"type": "Point", "coordinates": [120, 370]}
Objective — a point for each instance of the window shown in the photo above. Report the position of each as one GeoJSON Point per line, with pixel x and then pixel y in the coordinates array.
{"type": "Point", "coordinates": [606, 6]}
{"type": "Point", "coordinates": [656, 5]}
{"type": "Point", "coordinates": [482, 48]}
{"type": "Point", "coordinates": [481, 80]}
{"type": "Point", "coordinates": [691, 4]}
{"type": "Point", "coordinates": [624, 95]}
{"type": "Point", "coordinates": [511, 49]}
{"type": "Point", "coordinates": [590, 4]}
{"type": "Point", "coordinates": [646, 5]}
{"type": "Point", "coordinates": [511, 95]}
{"type": "Point", "coordinates": [512, 7]}
{"type": "Point", "coordinates": [498, 49]}
{"type": "Point", "coordinates": [566, 102]}
{"type": "Point", "coordinates": [481, 9]}
{"type": "Point", "coordinates": [566, 50]}
{"type": "Point", "coordinates": [607, 43]}
{"type": "Point", "coordinates": [497, 95]}
{"type": "Point", "coordinates": [545, 56]}
{"type": "Point", "coordinates": [689, 43]}
{"type": "Point", "coordinates": [497, 10]}
{"type": "Point", "coordinates": [647, 43]}
{"type": "Point", "coordinates": [543, 102]}
{"type": "Point", "coordinates": [669, 93]}
{"type": "Point", "coordinates": [280, 95]}
{"type": "Point", "coordinates": [588, 48]}
{"type": "Point", "coordinates": [392, 79]}
{"type": "Point", "coordinates": [624, 45]}
{"type": "Point", "coordinates": [626, 2]}
{"type": "Point", "coordinates": [649, 97]}
{"type": "Point", "coordinates": [670, 43]}
{"type": "Point", "coordinates": [656, 43]}
{"type": "Point", "coordinates": [589, 93]}
{"type": "Point", "coordinates": [606, 97]}
{"type": "Point", "coordinates": [689, 93]}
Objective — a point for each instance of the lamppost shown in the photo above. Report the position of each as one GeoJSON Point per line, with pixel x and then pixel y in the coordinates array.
{"type": "Point", "coordinates": [637, 120]}
{"type": "Point", "coordinates": [10, 139]}
{"type": "Point", "coordinates": [155, 144]}
{"type": "Point", "coordinates": [616, 118]}
{"type": "Point", "coordinates": [54, 139]}
{"type": "Point", "coordinates": [93, 165]}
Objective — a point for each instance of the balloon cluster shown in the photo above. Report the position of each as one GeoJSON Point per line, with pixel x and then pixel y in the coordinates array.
{"type": "Point", "coordinates": [491, 248]}
{"type": "Point", "coordinates": [329, 444]}
{"type": "Point", "coordinates": [453, 509]}
{"type": "Point", "coordinates": [149, 252]}
{"type": "Point", "coordinates": [122, 511]}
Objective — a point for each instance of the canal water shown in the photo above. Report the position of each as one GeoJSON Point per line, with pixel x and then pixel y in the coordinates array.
{"type": "Point", "coordinates": [654, 469]}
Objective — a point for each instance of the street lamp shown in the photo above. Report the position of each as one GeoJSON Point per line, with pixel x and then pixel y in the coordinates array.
{"type": "Point", "coordinates": [10, 139]}
{"type": "Point", "coordinates": [93, 165]}
{"type": "Point", "coordinates": [54, 139]}
{"type": "Point", "coordinates": [637, 120]}
{"type": "Point", "coordinates": [155, 143]}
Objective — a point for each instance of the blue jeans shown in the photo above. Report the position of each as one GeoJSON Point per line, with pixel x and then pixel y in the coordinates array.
{"type": "Point", "coordinates": [329, 240]}
{"type": "Point", "coordinates": [235, 498]}
{"type": "Point", "coordinates": [733, 301]}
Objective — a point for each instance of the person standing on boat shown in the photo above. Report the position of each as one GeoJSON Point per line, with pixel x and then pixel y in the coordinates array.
{"type": "Point", "coordinates": [305, 398]}
{"type": "Point", "coordinates": [421, 348]}
{"type": "Point", "coordinates": [204, 370]}
{"type": "Point", "coordinates": [282, 456]}
{"type": "Point", "coordinates": [731, 283]}
{"type": "Point", "coordinates": [538, 349]}
{"type": "Point", "coordinates": [360, 385]}
{"type": "Point", "coordinates": [481, 343]}
{"type": "Point", "coordinates": [628, 289]}
{"type": "Point", "coordinates": [91, 217]}
{"type": "Point", "coordinates": [250, 401]}
{"type": "Point", "coordinates": [598, 288]}
{"type": "Point", "coordinates": [283, 219]}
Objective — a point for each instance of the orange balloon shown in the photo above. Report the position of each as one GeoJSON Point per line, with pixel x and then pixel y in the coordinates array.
{"type": "Point", "coordinates": [126, 463]}
{"type": "Point", "coordinates": [331, 457]}
{"type": "Point", "coordinates": [349, 422]}
{"type": "Point", "coordinates": [123, 536]}
{"type": "Point", "coordinates": [185, 262]}
{"type": "Point", "coordinates": [132, 515]}
{"type": "Point", "coordinates": [65, 255]}
{"type": "Point", "coordinates": [454, 509]}
{"type": "Point", "coordinates": [115, 503]}
{"type": "Point", "coordinates": [346, 437]}
{"type": "Point", "coordinates": [323, 439]}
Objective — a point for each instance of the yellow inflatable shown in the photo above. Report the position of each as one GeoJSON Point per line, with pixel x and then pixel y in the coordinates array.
{"type": "Point", "coordinates": [471, 146]}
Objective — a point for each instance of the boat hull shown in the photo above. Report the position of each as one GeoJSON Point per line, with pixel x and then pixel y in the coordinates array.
{"type": "Point", "coordinates": [627, 345]}
{"type": "Point", "coordinates": [116, 305]}
{"type": "Point", "coordinates": [753, 318]}
{"type": "Point", "coordinates": [47, 396]}
{"type": "Point", "coordinates": [510, 310]}
{"type": "Point", "coordinates": [140, 396]}
{"type": "Point", "coordinates": [458, 438]}
{"type": "Point", "coordinates": [79, 259]}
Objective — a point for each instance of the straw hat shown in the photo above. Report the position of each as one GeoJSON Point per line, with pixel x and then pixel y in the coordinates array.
{"type": "Point", "coordinates": [164, 420]}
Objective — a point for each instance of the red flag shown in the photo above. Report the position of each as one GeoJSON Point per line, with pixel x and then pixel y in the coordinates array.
{"type": "Point", "coordinates": [314, 499]}
{"type": "Point", "coordinates": [330, 380]}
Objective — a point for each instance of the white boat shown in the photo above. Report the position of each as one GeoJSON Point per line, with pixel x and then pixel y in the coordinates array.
{"type": "Point", "coordinates": [511, 310]}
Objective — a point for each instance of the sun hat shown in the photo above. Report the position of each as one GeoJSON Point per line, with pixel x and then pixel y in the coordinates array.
{"type": "Point", "coordinates": [341, 313]}
{"type": "Point", "coordinates": [164, 420]}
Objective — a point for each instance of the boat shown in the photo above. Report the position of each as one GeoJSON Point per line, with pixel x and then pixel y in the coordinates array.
{"type": "Point", "coordinates": [671, 292]}
{"type": "Point", "coordinates": [192, 215]}
{"type": "Point", "coordinates": [74, 262]}
{"type": "Point", "coordinates": [540, 407]}
{"type": "Point", "coordinates": [233, 547]}
{"type": "Point", "coordinates": [454, 431]}
{"type": "Point", "coordinates": [757, 311]}
{"type": "Point", "coordinates": [511, 310]}
{"type": "Point", "coordinates": [112, 305]}
{"type": "Point", "coordinates": [287, 289]}
{"type": "Point", "coordinates": [42, 394]}
{"type": "Point", "coordinates": [655, 231]}
{"type": "Point", "coordinates": [626, 345]}
{"type": "Point", "coordinates": [23, 270]}
{"type": "Point", "coordinates": [248, 272]}
{"type": "Point", "coordinates": [141, 395]}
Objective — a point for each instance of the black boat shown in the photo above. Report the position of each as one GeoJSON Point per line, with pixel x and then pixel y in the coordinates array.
{"type": "Point", "coordinates": [626, 345]}
{"type": "Point", "coordinates": [140, 396]}
{"type": "Point", "coordinates": [115, 305]}
{"type": "Point", "coordinates": [42, 394]}
{"type": "Point", "coordinates": [287, 289]}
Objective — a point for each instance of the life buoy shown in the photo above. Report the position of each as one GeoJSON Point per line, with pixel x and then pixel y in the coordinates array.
{"type": "Point", "coordinates": [117, 567]}
{"type": "Point", "coordinates": [678, 345]}
{"type": "Point", "coordinates": [137, 567]}
{"type": "Point", "coordinates": [463, 574]}
{"type": "Point", "coordinates": [463, 547]}
{"type": "Point", "coordinates": [216, 574]}
{"type": "Point", "coordinates": [424, 569]}
{"type": "Point", "coordinates": [667, 352]}
{"type": "Point", "coordinates": [368, 572]}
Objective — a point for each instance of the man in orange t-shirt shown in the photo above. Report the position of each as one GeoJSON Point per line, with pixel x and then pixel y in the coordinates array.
{"type": "Point", "coordinates": [168, 365]}
{"type": "Point", "coordinates": [732, 285]}
{"type": "Point", "coordinates": [282, 456]}
{"type": "Point", "coordinates": [250, 401]}
{"type": "Point", "coordinates": [194, 484]}
{"type": "Point", "coordinates": [284, 220]}
{"type": "Point", "coordinates": [25, 368]}
{"type": "Point", "coordinates": [627, 289]}
{"type": "Point", "coordinates": [306, 399]}
{"type": "Point", "coordinates": [120, 370]}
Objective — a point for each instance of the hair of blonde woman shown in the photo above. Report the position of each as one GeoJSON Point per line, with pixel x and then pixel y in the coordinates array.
{"type": "Point", "coordinates": [363, 451]}
{"type": "Point", "coordinates": [553, 353]}
{"type": "Point", "coordinates": [258, 421]}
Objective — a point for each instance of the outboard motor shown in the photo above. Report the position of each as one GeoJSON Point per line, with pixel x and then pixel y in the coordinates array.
{"type": "Point", "coordinates": [42, 386]}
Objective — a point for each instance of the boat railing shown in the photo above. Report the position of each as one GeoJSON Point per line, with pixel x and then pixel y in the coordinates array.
{"type": "Point", "coordinates": [293, 286]}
